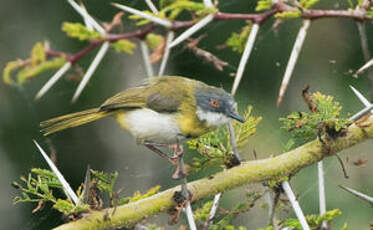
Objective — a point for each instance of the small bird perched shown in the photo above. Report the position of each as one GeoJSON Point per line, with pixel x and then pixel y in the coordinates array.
{"type": "Point", "coordinates": [162, 111]}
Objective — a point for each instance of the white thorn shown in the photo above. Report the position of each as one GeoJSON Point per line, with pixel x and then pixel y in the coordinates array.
{"type": "Point", "coordinates": [53, 80]}
{"type": "Point", "coordinates": [152, 6]}
{"type": "Point", "coordinates": [170, 37]}
{"type": "Point", "coordinates": [189, 214]}
{"type": "Point", "coordinates": [189, 32]}
{"type": "Point", "coordinates": [361, 113]}
{"type": "Point", "coordinates": [86, 21]}
{"type": "Point", "coordinates": [293, 58]}
{"type": "Point", "coordinates": [294, 203]}
{"type": "Point", "coordinates": [100, 54]}
{"type": "Point", "coordinates": [208, 3]}
{"type": "Point", "coordinates": [365, 66]}
{"type": "Point", "coordinates": [358, 194]}
{"type": "Point", "coordinates": [86, 16]}
{"type": "Point", "coordinates": [322, 200]}
{"type": "Point", "coordinates": [145, 55]}
{"type": "Point", "coordinates": [66, 187]}
{"type": "Point", "coordinates": [157, 20]}
{"type": "Point", "coordinates": [213, 210]}
{"type": "Point", "coordinates": [360, 96]}
{"type": "Point", "coordinates": [245, 56]}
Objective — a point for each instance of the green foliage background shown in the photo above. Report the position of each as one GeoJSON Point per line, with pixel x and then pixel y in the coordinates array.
{"type": "Point", "coordinates": [331, 52]}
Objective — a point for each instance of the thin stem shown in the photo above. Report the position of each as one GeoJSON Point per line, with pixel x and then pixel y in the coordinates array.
{"type": "Point", "coordinates": [322, 200]}
{"type": "Point", "coordinates": [66, 187]}
{"type": "Point", "coordinates": [245, 56]}
{"type": "Point", "coordinates": [145, 55]}
{"type": "Point", "coordinates": [149, 17]}
{"type": "Point", "coordinates": [358, 194]}
{"type": "Point", "coordinates": [91, 69]}
{"type": "Point", "coordinates": [294, 203]}
{"type": "Point", "coordinates": [170, 37]}
{"type": "Point", "coordinates": [233, 141]}
{"type": "Point", "coordinates": [189, 32]}
{"type": "Point", "coordinates": [53, 80]}
{"type": "Point", "coordinates": [293, 59]}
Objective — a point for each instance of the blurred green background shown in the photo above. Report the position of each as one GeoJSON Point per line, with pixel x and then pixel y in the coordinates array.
{"type": "Point", "coordinates": [331, 52]}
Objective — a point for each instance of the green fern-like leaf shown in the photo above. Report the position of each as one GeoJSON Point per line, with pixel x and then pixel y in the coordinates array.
{"type": "Point", "coordinates": [308, 3]}
{"type": "Point", "coordinates": [124, 45]}
{"type": "Point", "coordinates": [33, 70]}
{"type": "Point", "coordinates": [79, 31]}
{"type": "Point", "coordinates": [305, 126]}
{"type": "Point", "coordinates": [263, 5]}
{"type": "Point", "coordinates": [237, 41]}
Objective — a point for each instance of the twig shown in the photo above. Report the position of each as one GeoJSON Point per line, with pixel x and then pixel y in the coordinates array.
{"type": "Point", "coordinates": [294, 203]}
{"type": "Point", "coordinates": [149, 17]}
{"type": "Point", "coordinates": [322, 202]}
{"type": "Point", "coordinates": [233, 141]}
{"type": "Point", "coordinates": [91, 69]}
{"type": "Point", "coordinates": [145, 55]}
{"type": "Point", "coordinates": [293, 59]}
{"type": "Point", "coordinates": [358, 194]}
{"type": "Point", "coordinates": [53, 80]}
{"type": "Point", "coordinates": [66, 187]}
{"type": "Point", "coordinates": [189, 32]}
{"type": "Point", "coordinates": [170, 37]}
{"type": "Point", "coordinates": [245, 56]}
{"type": "Point", "coordinates": [207, 56]}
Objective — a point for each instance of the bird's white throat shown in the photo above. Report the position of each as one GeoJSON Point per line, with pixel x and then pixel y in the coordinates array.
{"type": "Point", "coordinates": [212, 118]}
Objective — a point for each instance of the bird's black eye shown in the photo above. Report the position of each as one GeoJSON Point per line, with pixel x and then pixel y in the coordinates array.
{"type": "Point", "coordinates": [214, 102]}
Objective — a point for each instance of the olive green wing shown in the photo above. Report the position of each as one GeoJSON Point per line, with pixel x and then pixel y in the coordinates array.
{"type": "Point", "coordinates": [130, 98]}
{"type": "Point", "coordinates": [162, 103]}
{"type": "Point", "coordinates": [158, 94]}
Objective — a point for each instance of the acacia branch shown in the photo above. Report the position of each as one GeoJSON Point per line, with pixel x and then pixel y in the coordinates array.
{"type": "Point", "coordinates": [257, 18]}
{"type": "Point", "coordinates": [248, 172]}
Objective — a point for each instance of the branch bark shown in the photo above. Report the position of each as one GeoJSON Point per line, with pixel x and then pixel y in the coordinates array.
{"type": "Point", "coordinates": [248, 172]}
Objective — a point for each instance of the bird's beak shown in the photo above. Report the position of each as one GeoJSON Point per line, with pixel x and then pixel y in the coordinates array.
{"type": "Point", "coordinates": [236, 117]}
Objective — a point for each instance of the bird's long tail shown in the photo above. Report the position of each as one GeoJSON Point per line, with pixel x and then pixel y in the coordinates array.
{"type": "Point", "coordinates": [72, 120]}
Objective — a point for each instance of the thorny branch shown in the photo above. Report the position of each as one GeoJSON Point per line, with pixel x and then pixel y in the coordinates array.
{"type": "Point", "coordinates": [258, 18]}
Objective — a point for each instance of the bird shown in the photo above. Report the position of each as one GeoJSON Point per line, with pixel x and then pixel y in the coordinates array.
{"type": "Point", "coordinates": [161, 111]}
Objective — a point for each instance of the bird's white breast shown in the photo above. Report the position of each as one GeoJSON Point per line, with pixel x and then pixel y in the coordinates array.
{"type": "Point", "coordinates": [149, 125]}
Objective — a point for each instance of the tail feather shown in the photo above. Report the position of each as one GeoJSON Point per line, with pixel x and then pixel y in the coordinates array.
{"type": "Point", "coordinates": [72, 120]}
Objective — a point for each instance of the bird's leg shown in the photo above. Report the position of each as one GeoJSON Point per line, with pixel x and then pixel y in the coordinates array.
{"type": "Point", "coordinates": [173, 160]}
{"type": "Point", "coordinates": [180, 172]}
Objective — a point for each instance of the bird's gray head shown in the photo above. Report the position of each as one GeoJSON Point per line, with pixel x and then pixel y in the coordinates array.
{"type": "Point", "coordinates": [215, 106]}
